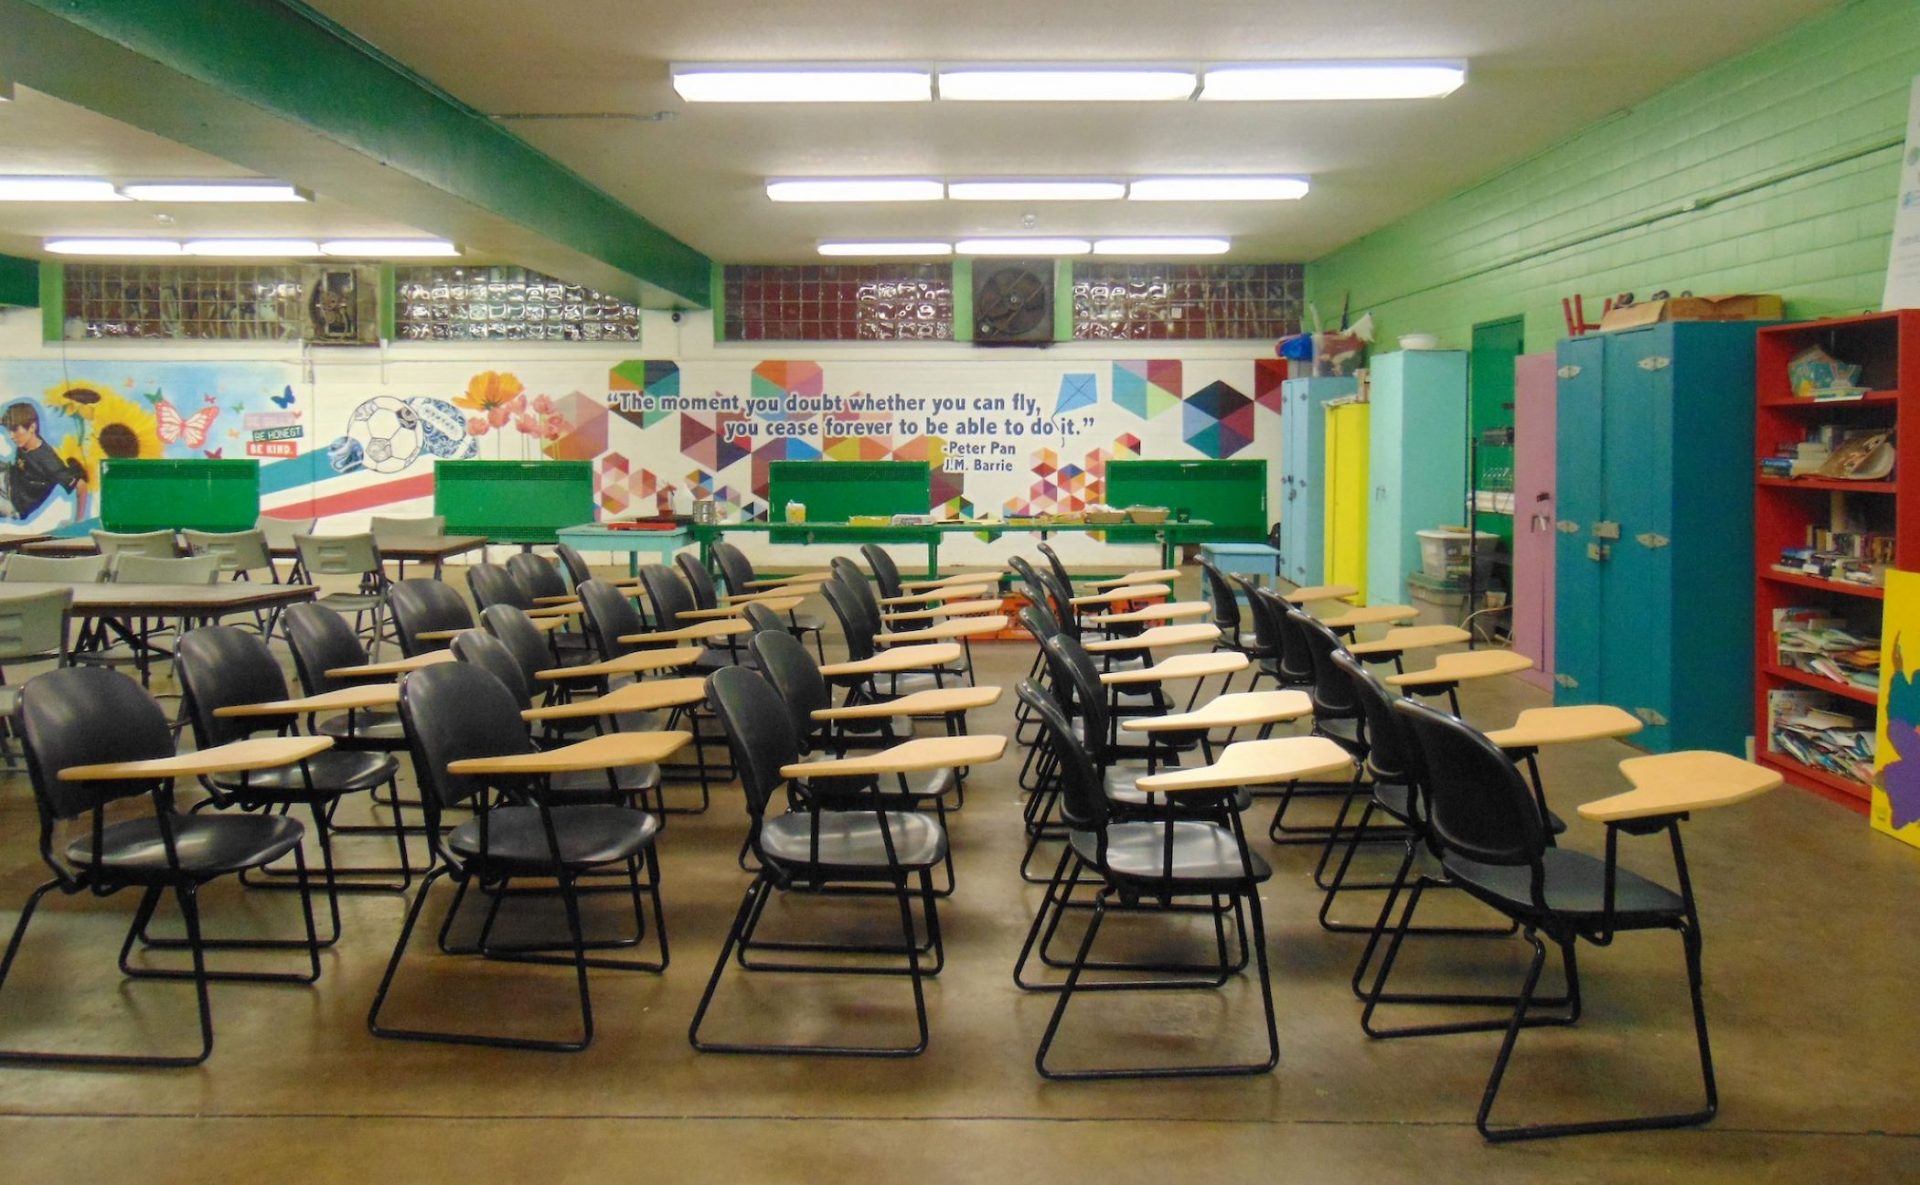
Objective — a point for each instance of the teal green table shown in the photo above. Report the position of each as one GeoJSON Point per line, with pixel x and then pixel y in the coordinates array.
{"type": "Point", "coordinates": [1168, 535]}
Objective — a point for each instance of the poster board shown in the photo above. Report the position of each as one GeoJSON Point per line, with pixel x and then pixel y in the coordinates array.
{"type": "Point", "coordinates": [164, 494]}
{"type": "Point", "coordinates": [1232, 495]}
{"type": "Point", "coordinates": [1895, 806]}
{"type": "Point", "coordinates": [513, 501]}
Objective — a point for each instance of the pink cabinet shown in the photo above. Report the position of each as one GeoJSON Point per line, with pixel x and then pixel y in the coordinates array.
{"type": "Point", "coordinates": [1534, 441]}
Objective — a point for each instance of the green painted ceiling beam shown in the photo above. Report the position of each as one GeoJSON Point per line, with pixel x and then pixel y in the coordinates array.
{"type": "Point", "coordinates": [19, 282]}
{"type": "Point", "coordinates": [274, 87]}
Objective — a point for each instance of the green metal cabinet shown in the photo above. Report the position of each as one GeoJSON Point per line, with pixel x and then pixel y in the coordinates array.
{"type": "Point", "coordinates": [1416, 461]}
{"type": "Point", "coordinates": [1653, 582]}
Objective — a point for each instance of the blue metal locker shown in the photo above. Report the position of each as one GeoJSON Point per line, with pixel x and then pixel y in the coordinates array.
{"type": "Point", "coordinates": [1303, 449]}
{"type": "Point", "coordinates": [1417, 461]}
{"type": "Point", "coordinates": [1654, 583]}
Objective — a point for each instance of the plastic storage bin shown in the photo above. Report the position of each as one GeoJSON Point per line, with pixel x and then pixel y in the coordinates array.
{"type": "Point", "coordinates": [1443, 551]}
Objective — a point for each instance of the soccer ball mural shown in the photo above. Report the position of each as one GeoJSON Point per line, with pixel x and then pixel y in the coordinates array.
{"type": "Point", "coordinates": [388, 433]}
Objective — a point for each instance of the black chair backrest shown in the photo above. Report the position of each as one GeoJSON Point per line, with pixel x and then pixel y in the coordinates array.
{"type": "Point", "coordinates": [424, 606]}
{"type": "Point", "coordinates": [1478, 802]}
{"type": "Point", "coordinates": [1059, 569]}
{"type": "Point", "coordinates": [853, 619]}
{"type": "Point", "coordinates": [576, 564]}
{"type": "Point", "coordinates": [610, 615]}
{"type": "Point", "coordinates": [1290, 653]}
{"type": "Point", "coordinates": [667, 594]}
{"type": "Point", "coordinates": [1023, 568]}
{"type": "Point", "coordinates": [536, 574]}
{"type": "Point", "coordinates": [759, 731]}
{"type": "Point", "coordinates": [762, 618]}
{"type": "Point", "coordinates": [493, 585]}
{"type": "Point", "coordinates": [1083, 798]}
{"type": "Point", "coordinates": [1061, 600]}
{"type": "Point", "coordinates": [493, 656]}
{"type": "Point", "coordinates": [521, 637]}
{"type": "Point", "coordinates": [85, 716]}
{"type": "Point", "coordinates": [735, 568]}
{"type": "Point", "coordinates": [1332, 692]}
{"type": "Point", "coordinates": [1039, 621]}
{"type": "Point", "coordinates": [789, 665]}
{"type": "Point", "coordinates": [452, 712]}
{"type": "Point", "coordinates": [1076, 684]}
{"type": "Point", "coordinates": [321, 640]}
{"type": "Point", "coordinates": [886, 573]}
{"type": "Point", "coordinates": [699, 581]}
{"type": "Point", "coordinates": [1226, 603]}
{"type": "Point", "coordinates": [1389, 753]}
{"type": "Point", "coordinates": [218, 667]}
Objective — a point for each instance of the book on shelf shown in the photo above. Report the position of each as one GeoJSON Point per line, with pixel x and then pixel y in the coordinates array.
{"type": "Point", "coordinates": [1815, 641]}
{"type": "Point", "coordinates": [1819, 731]}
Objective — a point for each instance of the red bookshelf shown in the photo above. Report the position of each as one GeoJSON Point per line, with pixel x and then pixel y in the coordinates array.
{"type": "Point", "coordinates": [1887, 348]}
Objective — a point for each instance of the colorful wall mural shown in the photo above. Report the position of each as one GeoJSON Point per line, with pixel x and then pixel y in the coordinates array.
{"type": "Point", "coordinates": [1008, 436]}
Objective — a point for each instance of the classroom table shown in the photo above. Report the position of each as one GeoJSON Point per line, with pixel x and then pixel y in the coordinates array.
{"type": "Point", "coordinates": [599, 537]}
{"type": "Point", "coordinates": [192, 602]}
{"type": "Point", "coordinates": [1168, 535]}
{"type": "Point", "coordinates": [16, 542]}
{"type": "Point", "coordinates": [433, 549]}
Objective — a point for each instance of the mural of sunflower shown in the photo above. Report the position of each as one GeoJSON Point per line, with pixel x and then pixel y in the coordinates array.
{"type": "Point", "coordinates": [497, 395]}
{"type": "Point", "coordinates": [110, 425]}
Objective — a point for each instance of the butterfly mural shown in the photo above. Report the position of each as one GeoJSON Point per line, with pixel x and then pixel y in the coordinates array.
{"type": "Point", "coordinates": [188, 430]}
{"type": "Point", "coordinates": [284, 400]}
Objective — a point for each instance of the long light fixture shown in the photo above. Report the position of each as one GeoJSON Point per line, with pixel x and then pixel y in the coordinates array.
{"type": "Point", "coordinates": [856, 189]}
{"type": "Point", "coordinates": [884, 249]}
{"type": "Point", "coordinates": [113, 247]}
{"type": "Point", "coordinates": [1023, 246]}
{"type": "Point", "coordinates": [779, 83]}
{"type": "Point", "coordinates": [1217, 189]}
{"type": "Point", "coordinates": [390, 248]}
{"type": "Point", "coordinates": [1015, 189]}
{"type": "Point", "coordinates": [57, 189]}
{"type": "Point", "coordinates": [1160, 246]}
{"type": "Point", "coordinates": [251, 247]}
{"type": "Point", "coordinates": [1279, 81]}
{"type": "Point", "coordinates": [1065, 83]}
{"type": "Point", "coordinates": [214, 191]}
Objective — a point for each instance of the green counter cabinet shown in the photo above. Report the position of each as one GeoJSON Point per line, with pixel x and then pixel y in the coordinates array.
{"type": "Point", "coordinates": [1416, 461]}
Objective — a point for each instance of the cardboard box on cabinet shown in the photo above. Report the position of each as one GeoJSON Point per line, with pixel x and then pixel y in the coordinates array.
{"type": "Point", "coordinates": [1737, 306]}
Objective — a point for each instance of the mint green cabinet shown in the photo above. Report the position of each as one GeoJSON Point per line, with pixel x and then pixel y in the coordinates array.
{"type": "Point", "coordinates": [1416, 461]}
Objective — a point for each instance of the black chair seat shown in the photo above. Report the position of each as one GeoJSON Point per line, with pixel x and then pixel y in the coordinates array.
{"type": "Point", "coordinates": [851, 793]}
{"type": "Point", "coordinates": [1575, 884]}
{"type": "Point", "coordinates": [1122, 792]}
{"type": "Point", "coordinates": [209, 845]}
{"type": "Point", "coordinates": [334, 772]}
{"type": "Point", "coordinates": [589, 836]}
{"type": "Point", "coordinates": [852, 840]}
{"type": "Point", "coordinates": [1395, 799]}
{"type": "Point", "coordinates": [714, 658]}
{"type": "Point", "coordinates": [806, 623]}
{"type": "Point", "coordinates": [586, 786]}
{"type": "Point", "coordinates": [364, 728]}
{"type": "Point", "coordinates": [1204, 855]}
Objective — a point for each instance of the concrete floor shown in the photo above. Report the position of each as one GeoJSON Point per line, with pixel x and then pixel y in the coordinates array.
{"type": "Point", "coordinates": [1810, 956]}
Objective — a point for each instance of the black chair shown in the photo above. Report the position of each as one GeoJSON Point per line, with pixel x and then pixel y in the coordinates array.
{"type": "Point", "coordinates": [669, 597]}
{"type": "Point", "coordinates": [578, 573]}
{"type": "Point", "coordinates": [536, 575]}
{"type": "Point", "coordinates": [492, 585]}
{"type": "Point", "coordinates": [1289, 663]}
{"type": "Point", "coordinates": [738, 573]}
{"type": "Point", "coordinates": [78, 716]}
{"type": "Point", "coordinates": [886, 573]}
{"type": "Point", "coordinates": [458, 711]}
{"type": "Point", "coordinates": [1142, 864]}
{"type": "Point", "coordinates": [1337, 715]}
{"type": "Point", "coordinates": [321, 641]}
{"type": "Point", "coordinates": [223, 667]}
{"type": "Point", "coordinates": [1494, 844]}
{"type": "Point", "coordinates": [1233, 631]}
{"type": "Point", "coordinates": [859, 623]}
{"type": "Point", "coordinates": [815, 850]}
{"type": "Point", "coordinates": [425, 606]}
{"type": "Point", "coordinates": [700, 585]}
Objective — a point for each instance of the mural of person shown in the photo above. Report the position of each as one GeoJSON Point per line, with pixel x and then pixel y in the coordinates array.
{"type": "Point", "coordinates": [36, 468]}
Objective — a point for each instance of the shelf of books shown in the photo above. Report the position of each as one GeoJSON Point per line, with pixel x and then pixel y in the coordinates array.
{"type": "Point", "coordinates": [1836, 503]}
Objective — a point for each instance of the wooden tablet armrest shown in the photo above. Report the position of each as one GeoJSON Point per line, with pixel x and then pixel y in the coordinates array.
{"type": "Point", "coordinates": [614, 750]}
{"type": "Point", "coordinates": [1667, 784]}
{"type": "Point", "coordinates": [236, 757]}
{"type": "Point", "coordinates": [371, 695]}
{"type": "Point", "coordinates": [938, 701]}
{"type": "Point", "coordinates": [556, 599]}
{"type": "Point", "coordinates": [917, 755]}
{"type": "Point", "coordinates": [1255, 763]}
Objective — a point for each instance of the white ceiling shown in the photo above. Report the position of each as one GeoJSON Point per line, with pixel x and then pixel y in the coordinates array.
{"type": "Point", "coordinates": [1539, 70]}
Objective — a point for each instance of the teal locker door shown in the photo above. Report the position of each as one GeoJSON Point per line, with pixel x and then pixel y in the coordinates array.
{"type": "Point", "coordinates": [1581, 369]}
{"type": "Point", "coordinates": [1386, 476]}
{"type": "Point", "coordinates": [1636, 601]}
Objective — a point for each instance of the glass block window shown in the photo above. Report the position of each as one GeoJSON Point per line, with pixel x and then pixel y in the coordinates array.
{"type": "Point", "coordinates": [202, 303]}
{"type": "Point", "coordinates": [839, 302]}
{"type": "Point", "coordinates": [504, 304]}
{"type": "Point", "coordinates": [1183, 301]}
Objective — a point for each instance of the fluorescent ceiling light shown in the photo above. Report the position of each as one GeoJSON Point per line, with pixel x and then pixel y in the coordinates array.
{"type": "Point", "coordinates": [1217, 189]}
{"type": "Point", "coordinates": [214, 191]}
{"type": "Point", "coordinates": [57, 189]}
{"type": "Point", "coordinates": [856, 189]}
{"type": "Point", "coordinates": [399, 248]}
{"type": "Point", "coordinates": [1333, 80]}
{"type": "Point", "coordinates": [1086, 84]}
{"type": "Point", "coordinates": [1013, 189]}
{"type": "Point", "coordinates": [881, 248]}
{"type": "Point", "coordinates": [1023, 246]}
{"type": "Point", "coordinates": [765, 83]}
{"type": "Point", "coordinates": [1161, 246]}
{"type": "Point", "coordinates": [113, 246]}
{"type": "Point", "coordinates": [252, 247]}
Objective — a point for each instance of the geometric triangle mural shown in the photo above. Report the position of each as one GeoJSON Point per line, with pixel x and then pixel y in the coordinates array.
{"type": "Point", "coordinates": [1217, 420]}
{"type": "Point", "coordinates": [659, 379]}
{"type": "Point", "coordinates": [1147, 389]}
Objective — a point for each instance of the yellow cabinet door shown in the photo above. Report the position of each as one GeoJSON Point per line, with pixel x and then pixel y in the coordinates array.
{"type": "Point", "coordinates": [1346, 500]}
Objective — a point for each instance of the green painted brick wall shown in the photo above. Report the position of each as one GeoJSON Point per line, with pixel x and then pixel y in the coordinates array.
{"type": "Point", "coordinates": [1771, 172]}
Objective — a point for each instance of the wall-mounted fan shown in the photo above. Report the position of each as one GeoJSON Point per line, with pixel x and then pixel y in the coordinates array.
{"type": "Point", "coordinates": [1013, 304]}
